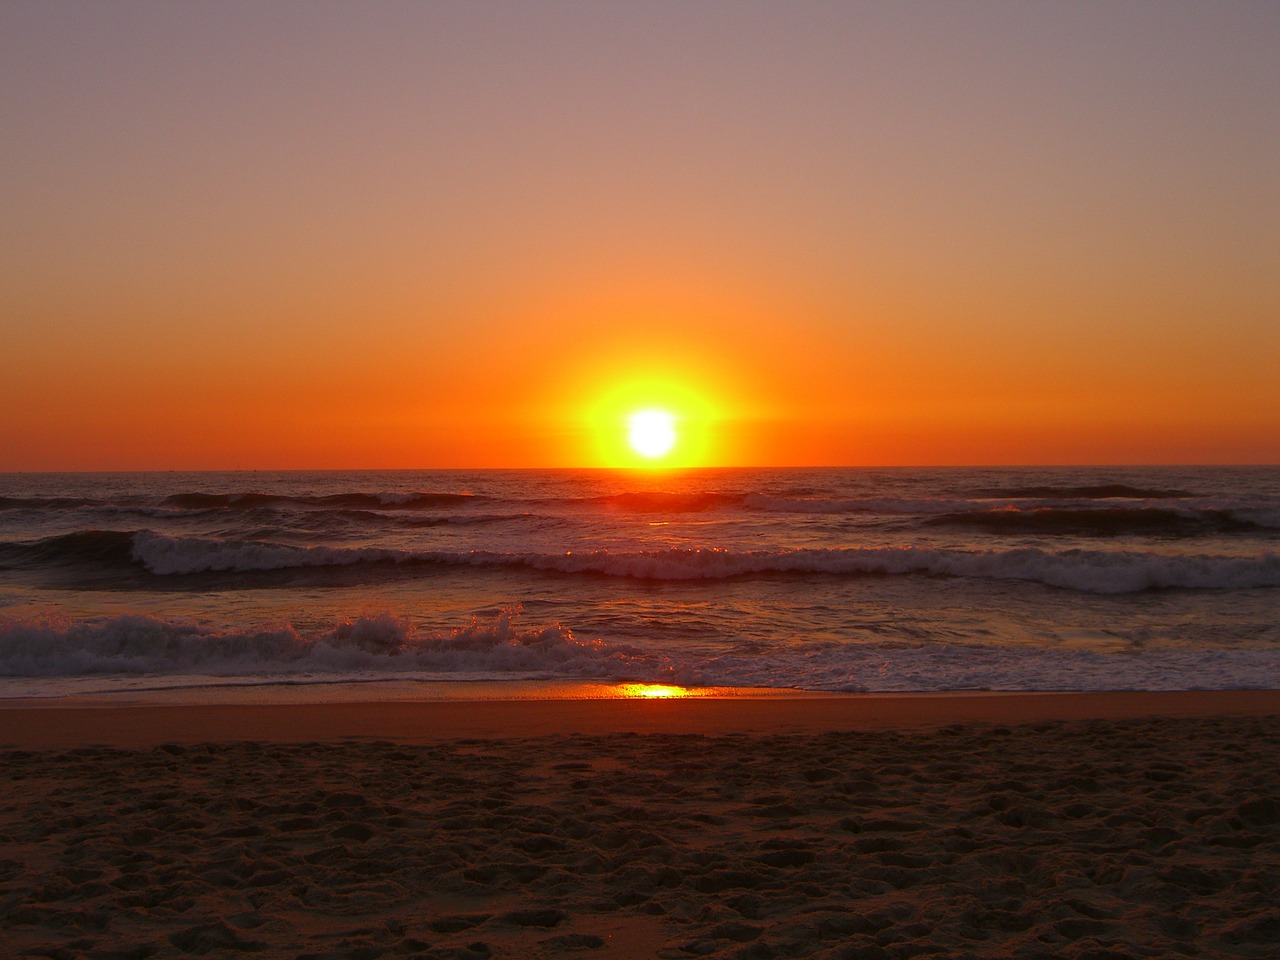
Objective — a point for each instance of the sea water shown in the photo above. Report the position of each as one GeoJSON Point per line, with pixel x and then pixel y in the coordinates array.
{"type": "Point", "coordinates": [818, 579]}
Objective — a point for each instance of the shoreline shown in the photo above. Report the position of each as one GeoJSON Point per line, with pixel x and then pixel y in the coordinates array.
{"type": "Point", "coordinates": [66, 723]}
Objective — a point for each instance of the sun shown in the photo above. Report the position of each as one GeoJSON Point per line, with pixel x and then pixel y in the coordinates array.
{"type": "Point", "coordinates": [652, 423]}
{"type": "Point", "coordinates": [651, 432]}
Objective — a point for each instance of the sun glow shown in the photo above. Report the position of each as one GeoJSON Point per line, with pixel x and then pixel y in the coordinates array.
{"type": "Point", "coordinates": [652, 432]}
{"type": "Point", "coordinates": [667, 420]}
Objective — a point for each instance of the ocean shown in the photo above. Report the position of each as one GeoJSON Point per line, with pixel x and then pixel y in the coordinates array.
{"type": "Point", "coordinates": [403, 583]}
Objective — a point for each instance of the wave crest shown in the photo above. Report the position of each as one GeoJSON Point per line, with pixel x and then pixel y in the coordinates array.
{"type": "Point", "coordinates": [134, 644]}
{"type": "Point", "coordinates": [1093, 571]}
{"type": "Point", "coordinates": [386, 646]}
{"type": "Point", "coordinates": [145, 552]}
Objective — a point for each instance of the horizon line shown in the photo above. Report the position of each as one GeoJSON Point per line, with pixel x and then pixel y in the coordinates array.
{"type": "Point", "coordinates": [662, 470]}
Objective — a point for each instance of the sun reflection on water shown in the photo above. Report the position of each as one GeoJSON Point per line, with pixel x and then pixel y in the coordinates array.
{"type": "Point", "coordinates": [655, 691]}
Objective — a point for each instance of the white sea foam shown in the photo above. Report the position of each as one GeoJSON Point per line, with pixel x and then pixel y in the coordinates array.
{"type": "Point", "coordinates": [170, 556]}
{"type": "Point", "coordinates": [139, 644]}
{"type": "Point", "coordinates": [504, 648]}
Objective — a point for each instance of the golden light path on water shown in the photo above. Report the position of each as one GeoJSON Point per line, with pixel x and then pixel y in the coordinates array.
{"type": "Point", "coordinates": [658, 691]}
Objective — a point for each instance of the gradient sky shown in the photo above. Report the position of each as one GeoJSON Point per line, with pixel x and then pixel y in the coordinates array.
{"type": "Point", "coordinates": [271, 235]}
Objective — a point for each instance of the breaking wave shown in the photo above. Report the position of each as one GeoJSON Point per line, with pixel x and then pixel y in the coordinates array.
{"type": "Point", "coordinates": [383, 645]}
{"type": "Point", "coordinates": [1091, 571]}
{"type": "Point", "coordinates": [139, 644]}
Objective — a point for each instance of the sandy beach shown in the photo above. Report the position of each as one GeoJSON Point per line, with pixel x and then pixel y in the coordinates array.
{"type": "Point", "coordinates": [1098, 826]}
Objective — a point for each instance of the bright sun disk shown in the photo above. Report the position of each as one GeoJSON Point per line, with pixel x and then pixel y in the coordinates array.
{"type": "Point", "coordinates": [651, 433]}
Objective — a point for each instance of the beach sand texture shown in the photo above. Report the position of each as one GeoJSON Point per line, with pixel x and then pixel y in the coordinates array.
{"type": "Point", "coordinates": [1099, 839]}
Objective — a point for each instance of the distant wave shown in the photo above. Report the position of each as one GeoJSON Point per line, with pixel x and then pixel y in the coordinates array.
{"type": "Point", "coordinates": [1098, 522]}
{"type": "Point", "coordinates": [369, 519]}
{"type": "Point", "coordinates": [369, 501]}
{"type": "Point", "coordinates": [636, 501]}
{"type": "Point", "coordinates": [902, 506]}
{"type": "Point", "coordinates": [642, 501]}
{"type": "Point", "coordinates": [793, 501]}
{"type": "Point", "coordinates": [1110, 509]}
{"type": "Point", "coordinates": [48, 503]}
{"type": "Point", "coordinates": [1101, 491]}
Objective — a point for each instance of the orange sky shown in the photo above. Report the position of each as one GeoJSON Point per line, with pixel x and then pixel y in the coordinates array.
{"type": "Point", "coordinates": [398, 235]}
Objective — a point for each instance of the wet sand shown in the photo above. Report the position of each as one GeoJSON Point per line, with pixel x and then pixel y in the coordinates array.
{"type": "Point", "coordinates": [1078, 826]}
{"type": "Point", "coordinates": [35, 724]}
